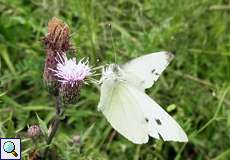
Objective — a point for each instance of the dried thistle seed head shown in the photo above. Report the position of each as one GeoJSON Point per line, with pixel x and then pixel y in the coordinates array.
{"type": "Point", "coordinates": [57, 38]}
{"type": "Point", "coordinates": [34, 131]}
{"type": "Point", "coordinates": [53, 23]}
{"type": "Point", "coordinates": [56, 42]}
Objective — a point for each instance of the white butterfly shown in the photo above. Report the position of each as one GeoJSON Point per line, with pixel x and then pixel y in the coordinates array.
{"type": "Point", "coordinates": [126, 106]}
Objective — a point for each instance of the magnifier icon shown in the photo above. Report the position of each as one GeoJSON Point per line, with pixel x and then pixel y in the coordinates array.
{"type": "Point", "coordinates": [9, 147]}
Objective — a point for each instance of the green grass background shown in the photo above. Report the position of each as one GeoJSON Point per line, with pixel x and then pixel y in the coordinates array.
{"type": "Point", "coordinates": [195, 85]}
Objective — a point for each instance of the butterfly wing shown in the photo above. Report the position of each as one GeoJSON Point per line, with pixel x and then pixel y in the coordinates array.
{"type": "Point", "coordinates": [136, 116]}
{"type": "Point", "coordinates": [129, 110]}
{"type": "Point", "coordinates": [158, 119]}
{"type": "Point", "coordinates": [142, 72]}
{"type": "Point", "coordinates": [145, 70]}
{"type": "Point", "coordinates": [122, 111]}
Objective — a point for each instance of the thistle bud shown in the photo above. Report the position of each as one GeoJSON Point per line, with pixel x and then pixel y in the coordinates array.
{"type": "Point", "coordinates": [76, 139]}
{"type": "Point", "coordinates": [34, 131]}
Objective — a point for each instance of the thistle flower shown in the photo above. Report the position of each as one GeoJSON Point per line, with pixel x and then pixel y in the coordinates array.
{"type": "Point", "coordinates": [71, 75]}
{"type": "Point", "coordinates": [70, 72]}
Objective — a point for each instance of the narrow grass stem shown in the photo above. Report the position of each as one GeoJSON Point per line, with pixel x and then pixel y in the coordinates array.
{"type": "Point", "coordinates": [115, 54]}
{"type": "Point", "coordinates": [216, 112]}
{"type": "Point", "coordinates": [220, 7]}
{"type": "Point", "coordinates": [223, 155]}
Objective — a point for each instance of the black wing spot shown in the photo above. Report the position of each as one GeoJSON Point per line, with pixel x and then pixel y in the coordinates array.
{"type": "Point", "coordinates": [158, 121]}
{"type": "Point", "coordinates": [147, 120]}
{"type": "Point", "coordinates": [153, 71]}
{"type": "Point", "coordinates": [157, 74]}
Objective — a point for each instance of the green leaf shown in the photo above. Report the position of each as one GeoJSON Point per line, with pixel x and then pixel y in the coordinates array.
{"type": "Point", "coordinates": [5, 56]}
{"type": "Point", "coordinates": [87, 132]}
{"type": "Point", "coordinates": [43, 125]}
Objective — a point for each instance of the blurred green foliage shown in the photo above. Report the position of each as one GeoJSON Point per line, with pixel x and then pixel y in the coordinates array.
{"type": "Point", "coordinates": [196, 83]}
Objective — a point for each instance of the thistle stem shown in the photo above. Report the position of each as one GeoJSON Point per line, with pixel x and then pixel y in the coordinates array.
{"type": "Point", "coordinates": [55, 124]}
{"type": "Point", "coordinates": [53, 129]}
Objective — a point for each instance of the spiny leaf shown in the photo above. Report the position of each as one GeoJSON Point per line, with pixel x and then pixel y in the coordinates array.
{"type": "Point", "coordinates": [43, 125]}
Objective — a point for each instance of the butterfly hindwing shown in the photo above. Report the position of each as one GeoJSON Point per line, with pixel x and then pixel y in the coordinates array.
{"type": "Point", "coordinates": [158, 119]}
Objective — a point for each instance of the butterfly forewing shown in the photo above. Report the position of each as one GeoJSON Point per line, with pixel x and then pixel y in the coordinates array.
{"type": "Point", "coordinates": [145, 70]}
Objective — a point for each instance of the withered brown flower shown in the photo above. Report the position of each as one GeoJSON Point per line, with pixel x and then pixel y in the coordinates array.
{"type": "Point", "coordinates": [57, 38]}
{"type": "Point", "coordinates": [56, 42]}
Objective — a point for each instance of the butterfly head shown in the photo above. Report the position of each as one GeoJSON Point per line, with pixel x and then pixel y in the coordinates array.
{"type": "Point", "coordinates": [112, 71]}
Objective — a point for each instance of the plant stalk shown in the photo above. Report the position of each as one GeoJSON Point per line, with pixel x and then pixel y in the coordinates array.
{"type": "Point", "coordinates": [55, 124]}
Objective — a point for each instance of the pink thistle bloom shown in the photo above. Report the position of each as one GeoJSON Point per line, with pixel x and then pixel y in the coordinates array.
{"type": "Point", "coordinates": [70, 72]}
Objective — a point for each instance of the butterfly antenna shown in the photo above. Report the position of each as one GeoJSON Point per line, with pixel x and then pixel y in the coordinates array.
{"type": "Point", "coordinates": [111, 34]}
